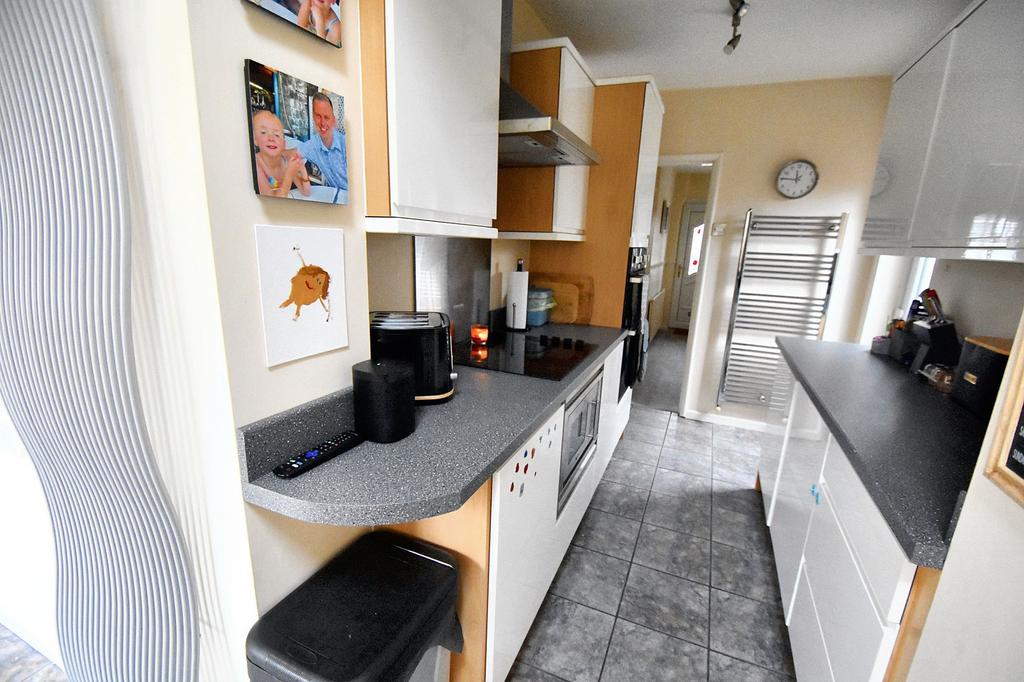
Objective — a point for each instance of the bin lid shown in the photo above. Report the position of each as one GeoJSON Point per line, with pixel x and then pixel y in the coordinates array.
{"type": "Point", "coordinates": [369, 614]}
{"type": "Point", "coordinates": [538, 292]}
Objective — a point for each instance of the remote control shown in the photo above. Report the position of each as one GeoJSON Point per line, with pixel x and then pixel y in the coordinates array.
{"type": "Point", "coordinates": [329, 449]}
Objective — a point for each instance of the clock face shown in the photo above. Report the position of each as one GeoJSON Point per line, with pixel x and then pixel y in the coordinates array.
{"type": "Point", "coordinates": [796, 179]}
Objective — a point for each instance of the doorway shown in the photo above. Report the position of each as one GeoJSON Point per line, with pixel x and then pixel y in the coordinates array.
{"type": "Point", "coordinates": [683, 210]}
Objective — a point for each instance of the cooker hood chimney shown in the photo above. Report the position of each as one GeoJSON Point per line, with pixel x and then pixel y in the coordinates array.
{"type": "Point", "coordinates": [527, 136]}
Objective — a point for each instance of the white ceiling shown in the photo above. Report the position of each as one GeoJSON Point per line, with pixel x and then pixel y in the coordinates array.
{"type": "Point", "coordinates": [680, 42]}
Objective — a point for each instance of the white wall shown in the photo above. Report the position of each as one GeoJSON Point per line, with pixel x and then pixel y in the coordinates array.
{"type": "Point", "coordinates": [28, 571]}
{"type": "Point", "coordinates": [973, 630]}
{"type": "Point", "coordinates": [984, 297]}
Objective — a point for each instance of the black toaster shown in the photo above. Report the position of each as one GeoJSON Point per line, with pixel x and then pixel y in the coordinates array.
{"type": "Point", "coordinates": [422, 339]}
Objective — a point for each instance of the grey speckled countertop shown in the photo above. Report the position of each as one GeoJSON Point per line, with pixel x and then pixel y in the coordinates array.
{"type": "Point", "coordinates": [456, 446]}
{"type": "Point", "coordinates": [913, 448]}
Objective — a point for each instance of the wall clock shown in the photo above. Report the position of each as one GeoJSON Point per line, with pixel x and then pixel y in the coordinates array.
{"type": "Point", "coordinates": [796, 179]}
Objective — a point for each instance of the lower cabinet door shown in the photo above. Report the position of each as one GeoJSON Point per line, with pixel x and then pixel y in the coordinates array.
{"type": "Point", "coordinates": [809, 654]}
{"type": "Point", "coordinates": [800, 474]}
{"type": "Point", "coordinates": [524, 552]}
{"type": "Point", "coordinates": [859, 643]}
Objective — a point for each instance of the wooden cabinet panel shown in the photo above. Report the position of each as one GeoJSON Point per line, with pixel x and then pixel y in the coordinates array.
{"type": "Point", "coordinates": [972, 181]}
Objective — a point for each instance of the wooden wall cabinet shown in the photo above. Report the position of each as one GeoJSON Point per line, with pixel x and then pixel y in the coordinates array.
{"type": "Point", "coordinates": [430, 112]}
{"type": "Point", "coordinates": [620, 195]}
{"type": "Point", "coordinates": [953, 151]}
{"type": "Point", "coordinates": [549, 202]}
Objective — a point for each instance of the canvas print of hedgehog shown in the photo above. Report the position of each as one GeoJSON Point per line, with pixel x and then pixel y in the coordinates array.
{"type": "Point", "coordinates": [311, 284]}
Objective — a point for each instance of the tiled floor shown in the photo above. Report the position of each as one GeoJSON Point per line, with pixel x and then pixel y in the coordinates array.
{"type": "Point", "coordinates": [21, 663]}
{"type": "Point", "coordinates": [663, 380]}
{"type": "Point", "coordinates": [670, 576]}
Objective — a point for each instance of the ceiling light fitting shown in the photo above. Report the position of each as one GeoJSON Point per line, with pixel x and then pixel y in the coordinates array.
{"type": "Point", "coordinates": [739, 10]}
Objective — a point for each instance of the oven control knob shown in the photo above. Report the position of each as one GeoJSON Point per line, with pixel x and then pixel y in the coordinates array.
{"type": "Point", "coordinates": [579, 344]}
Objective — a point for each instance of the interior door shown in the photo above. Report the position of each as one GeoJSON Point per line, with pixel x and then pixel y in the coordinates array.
{"type": "Point", "coordinates": [685, 276]}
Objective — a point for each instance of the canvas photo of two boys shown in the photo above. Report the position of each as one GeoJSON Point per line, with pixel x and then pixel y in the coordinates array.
{"type": "Point", "coordinates": [297, 134]}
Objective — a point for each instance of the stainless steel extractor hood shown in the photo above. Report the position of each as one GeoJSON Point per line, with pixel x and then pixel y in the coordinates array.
{"type": "Point", "coordinates": [527, 136]}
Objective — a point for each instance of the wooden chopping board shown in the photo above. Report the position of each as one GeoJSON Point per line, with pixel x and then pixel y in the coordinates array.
{"type": "Point", "coordinates": [574, 295]}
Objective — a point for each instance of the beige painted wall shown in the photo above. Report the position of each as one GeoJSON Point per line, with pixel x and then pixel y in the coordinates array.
{"type": "Point", "coordinates": [224, 34]}
{"type": "Point", "coordinates": [390, 271]}
{"type": "Point", "coordinates": [664, 187]}
{"type": "Point", "coordinates": [837, 124]}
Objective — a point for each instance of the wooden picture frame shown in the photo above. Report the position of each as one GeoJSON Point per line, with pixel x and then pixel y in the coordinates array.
{"type": "Point", "coordinates": [1005, 464]}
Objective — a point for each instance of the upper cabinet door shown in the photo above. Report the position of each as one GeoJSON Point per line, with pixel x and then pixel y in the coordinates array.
{"type": "Point", "coordinates": [972, 181]}
{"type": "Point", "coordinates": [901, 159]}
{"type": "Point", "coordinates": [443, 69]}
{"type": "Point", "coordinates": [576, 112]}
{"type": "Point", "coordinates": [646, 170]}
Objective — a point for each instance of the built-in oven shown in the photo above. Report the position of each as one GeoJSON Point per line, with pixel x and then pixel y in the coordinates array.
{"type": "Point", "coordinates": [579, 437]}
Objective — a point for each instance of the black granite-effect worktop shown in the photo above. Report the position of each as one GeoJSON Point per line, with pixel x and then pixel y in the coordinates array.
{"type": "Point", "coordinates": [457, 445]}
{"type": "Point", "coordinates": [913, 448]}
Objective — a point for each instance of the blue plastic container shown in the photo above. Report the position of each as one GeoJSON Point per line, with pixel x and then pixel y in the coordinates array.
{"type": "Point", "coordinates": [538, 303]}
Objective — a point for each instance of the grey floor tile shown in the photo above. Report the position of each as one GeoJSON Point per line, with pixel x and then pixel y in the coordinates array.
{"type": "Point", "coordinates": [750, 631]}
{"type": "Point", "coordinates": [527, 673]}
{"type": "Point", "coordinates": [737, 440]}
{"type": "Point", "coordinates": [592, 579]}
{"type": "Point", "coordinates": [736, 467]}
{"type": "Point", "coordinates": [744, 572]}
{"type": "Point", "coordinates": [696, 461]}
{"type": "Point", "coordinates": [740, 530]}
{"type": "Point", "coordinates": [646, 416]}
{"type": "Point", "coordinates": [688, 514]}
{"type": "Point", "coordinates": [637, 653]}
{"type": "Point", "coordinates": [738, 498]}
{"type": "Point", "coordinates": [623, 500]}
{"type": "Point", "coordinates": [668, 482]}
{"type": "Point", "coordinates": [568, 640]}
{"type": "Point", "coordinates": [645, 433]}
{"type": "Point", "coordinates": [682, 555]}
{"type": "Point", "coordinates": [50, 673]}
{"type": "Point", "coordinates": [608, 534]}
{"type": "Point", "coordinates": [667, 604]}
{"type": "Point", "coordinates": [726, 669]}
{"type": "Point", "coordinates": [688, 433]}
{"type": "Point", "coordinates": [637, 451]}
{"type": "Point", "coordinates": [629, 473]}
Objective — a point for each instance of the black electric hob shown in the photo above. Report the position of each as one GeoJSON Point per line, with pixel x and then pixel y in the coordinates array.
{"type": "Point", "coordinates": [533, 355]}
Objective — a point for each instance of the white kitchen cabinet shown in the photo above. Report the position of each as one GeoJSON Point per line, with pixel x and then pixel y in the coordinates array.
{"type": "Point", "coordinates": [545, 202]}
{"type": "Point", "coordinates": [576, 112]}
{"type": "Point", "coordinates": [810, 657]}
{"type": "Point", "coordinates": [430, 86]}
{"type": "Point", "coordinates": [908, 126]}
{"type": "Point", "coordinates": [647, 168]}
{"type": "Point", "coordinates": [524, 554]}
{"type": "Point", "coordinates": [857, 639]}
{"type": "Point", "coordinates": [970, 195]}
{"type": "Point", "coordinates": [796, 486]}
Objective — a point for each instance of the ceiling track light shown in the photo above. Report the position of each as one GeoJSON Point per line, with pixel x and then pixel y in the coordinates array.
{"type": "Point", "coordinates": [739, 10]}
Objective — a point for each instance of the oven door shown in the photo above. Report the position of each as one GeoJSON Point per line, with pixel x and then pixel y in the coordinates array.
{"type": "Point", "coordinates": [579, 437]}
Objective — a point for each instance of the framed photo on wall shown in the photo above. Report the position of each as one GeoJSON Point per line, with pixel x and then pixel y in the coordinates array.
{"type": "Point", "coordinates": [296, 136]}
{"type": "Point", "coordinates": [302, 290]}
{"type": "Point", "coordinates": [322, 18]}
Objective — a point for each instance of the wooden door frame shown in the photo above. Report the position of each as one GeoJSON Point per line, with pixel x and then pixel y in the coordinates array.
{"type": "Point", "coordinates": [700, 315]}
{"type": "Point", "coordinates": [683, 241]}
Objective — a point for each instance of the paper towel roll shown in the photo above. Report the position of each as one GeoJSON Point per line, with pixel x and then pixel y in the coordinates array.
{"type": "Point", "coordinates": [515, 302]}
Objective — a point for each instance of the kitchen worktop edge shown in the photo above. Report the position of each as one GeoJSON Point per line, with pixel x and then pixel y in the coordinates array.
{"type": "Point", "coordinates": [455, 449]}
